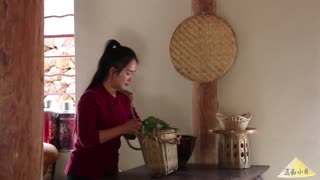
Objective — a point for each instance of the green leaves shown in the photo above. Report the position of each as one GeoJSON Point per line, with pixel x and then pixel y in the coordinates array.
{"type": "Point", "coordinates": [151, 123]}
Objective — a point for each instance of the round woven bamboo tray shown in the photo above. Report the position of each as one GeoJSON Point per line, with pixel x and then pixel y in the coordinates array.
{"type": "Point", "coordinates": [203, 48]}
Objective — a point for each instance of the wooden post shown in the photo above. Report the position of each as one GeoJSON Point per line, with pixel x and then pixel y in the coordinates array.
{"type": "Point", "coordinates": [21, 89]}
{"type": "Point", "coordinates": [202, 7]}
{"type": "Point", "coordinates": [204, 102]}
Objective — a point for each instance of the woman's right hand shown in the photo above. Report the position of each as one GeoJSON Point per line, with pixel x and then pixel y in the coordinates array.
{"type": "Point", "coordinates": [132, 126]}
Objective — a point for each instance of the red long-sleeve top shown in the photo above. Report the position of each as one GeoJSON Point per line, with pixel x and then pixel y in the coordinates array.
{"type": "Point", "coordinates": [97, 110]}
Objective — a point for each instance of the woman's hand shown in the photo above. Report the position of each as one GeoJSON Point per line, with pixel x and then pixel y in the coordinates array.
{"type": "Point", "coordinates": [132, 126]}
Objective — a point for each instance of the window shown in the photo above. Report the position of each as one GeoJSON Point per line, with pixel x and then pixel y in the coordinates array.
{"type": "Point", "coordinates": [59, 52]}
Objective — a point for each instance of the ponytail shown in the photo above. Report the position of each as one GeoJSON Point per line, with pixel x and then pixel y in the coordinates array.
{"type": "Point", "coordinates": [112, 44]}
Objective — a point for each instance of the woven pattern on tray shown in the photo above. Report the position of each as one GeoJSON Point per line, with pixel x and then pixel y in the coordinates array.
{"type": "Point", "coordinates": [203, 48]}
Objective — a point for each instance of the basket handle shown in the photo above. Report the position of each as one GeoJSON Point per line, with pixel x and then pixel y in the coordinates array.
{"type": "Point", "coordinates": [131, 146]}
{"type": "Point", "coordinates": [170, 141]}
{"type": "Point", "coordinates": [130, 95]}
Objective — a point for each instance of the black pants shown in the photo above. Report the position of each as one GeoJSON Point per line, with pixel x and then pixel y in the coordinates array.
{"type": "Point", "coordinates": [76, 177]}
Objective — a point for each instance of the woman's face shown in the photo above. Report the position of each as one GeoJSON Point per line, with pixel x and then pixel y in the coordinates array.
{"type": "Point", "coordinates": [123, 79]}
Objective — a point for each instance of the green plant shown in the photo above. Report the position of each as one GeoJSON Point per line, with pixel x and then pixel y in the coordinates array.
{"type": "Point", "coordinates": [152, 123]}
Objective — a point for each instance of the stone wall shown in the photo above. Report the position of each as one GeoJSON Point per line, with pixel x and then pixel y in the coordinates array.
{"type": "Point", "coordinates": [59, 70]}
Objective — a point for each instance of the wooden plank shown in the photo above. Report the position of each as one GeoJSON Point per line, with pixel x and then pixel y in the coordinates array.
{"type": "Point", "coordinates": [21, 89]}
{"type": "Point", "coordinates": [196, 171]}
{"type": "Point", "coordinates": [204, 104]}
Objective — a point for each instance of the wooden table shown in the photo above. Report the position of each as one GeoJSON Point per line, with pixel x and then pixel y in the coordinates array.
{"type": "Point", "coordinates": [196, 171]}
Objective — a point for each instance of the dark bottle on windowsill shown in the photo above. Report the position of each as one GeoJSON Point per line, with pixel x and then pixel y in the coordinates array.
{"type": "Point", "coordinates": [50, 129]}
{"type": "Point", "coordinates": [66, 120]}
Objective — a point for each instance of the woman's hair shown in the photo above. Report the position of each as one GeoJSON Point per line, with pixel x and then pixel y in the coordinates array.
{"type": "Point", "coordinates": [114, 55]}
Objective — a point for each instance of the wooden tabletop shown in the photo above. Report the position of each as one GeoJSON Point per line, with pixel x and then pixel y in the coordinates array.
{"type": "Point", "coordinates": [196, 171]}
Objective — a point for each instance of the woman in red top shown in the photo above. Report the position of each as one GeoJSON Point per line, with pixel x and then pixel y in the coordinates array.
{"type": "Point", "coordinates": [103, 115]}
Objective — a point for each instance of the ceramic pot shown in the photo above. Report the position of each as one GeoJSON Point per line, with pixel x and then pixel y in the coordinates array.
{"type": "Point", "coordinates": [185, 149]}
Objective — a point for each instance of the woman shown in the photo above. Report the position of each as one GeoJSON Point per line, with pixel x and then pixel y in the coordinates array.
{"type": "Point", "coordinates": [103, 115]}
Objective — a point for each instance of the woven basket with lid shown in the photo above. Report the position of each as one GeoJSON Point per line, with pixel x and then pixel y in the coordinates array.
{"type": "Point", "coordinates": [159, 152]}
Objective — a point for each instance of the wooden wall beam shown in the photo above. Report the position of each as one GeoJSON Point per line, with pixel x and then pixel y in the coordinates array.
{"type": "Point", "coordinates": [204, 103]}
{"type": "Point", "coordinates": [202, 7]}
{"type": "Point", "coordinates": [21, 89]}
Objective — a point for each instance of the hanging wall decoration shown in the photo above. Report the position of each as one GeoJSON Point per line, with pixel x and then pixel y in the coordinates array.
{"type": "Point", "coordinates": [203, 48]}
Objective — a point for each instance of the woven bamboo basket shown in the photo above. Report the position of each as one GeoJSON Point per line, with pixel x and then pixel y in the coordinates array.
{"type": "Point", "coordinates": [159, 149]}
{"type": "Point", "coordinates": [234, 148]}
{"type": "Point", "coordinates": [159, 152]}
{"type": "Point", "coordinates": [233, 122]}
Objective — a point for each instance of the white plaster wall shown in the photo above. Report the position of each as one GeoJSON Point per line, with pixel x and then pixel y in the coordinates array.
{"type": "Point", "coordinates": [275, 77]}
